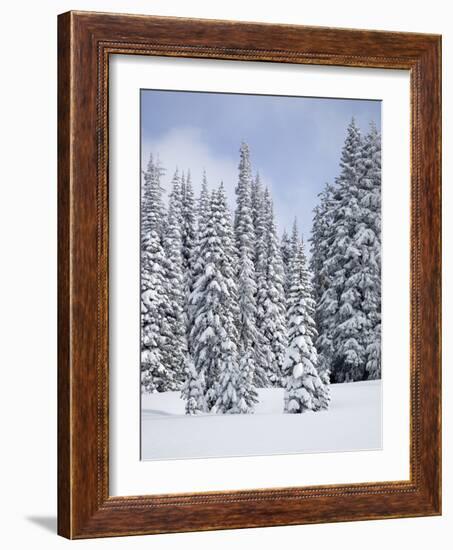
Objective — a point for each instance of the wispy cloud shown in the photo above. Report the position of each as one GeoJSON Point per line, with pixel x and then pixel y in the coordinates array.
{"type": "Point", "coordinates": [295, 142]}
{"type": "Point", "coordinates": [184, 148]}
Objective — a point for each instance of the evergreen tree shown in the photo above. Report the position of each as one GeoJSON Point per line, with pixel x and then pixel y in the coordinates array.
{"type": "Point", "coordinates": [261, 378]}
{"type": "Point", "coordinates": [176, 200]}
{"type": "Point", "coordinates": [151, 200]}
{"type": "Point", "coordinates": [346, 263]}
{"type": "Point", "coordinates": [352, 322]}
{"type": "Point", "coordinates": [196, 260]}
{"type": "Point", "coordinates": [248, 396]}
{"type": "Point", "coordinates": [237, 393]}
{"type": "Point", "coordinates": [189, 222]}
{"type": "Point", "coordinates": [156, 375]}
{"type": "Point", "coordinates": [294, 243]}
{"type": "Point", "coordinates": [369, 241]}
{"type": "Point", "coordinates": [323, 233]}
{"type": "Point", "coordinates": [273, 315]}
{"type": "Point", "coordinates": [228, 259]}
{"type": "Point", "coordinates": [304, 388]}
{"type": "Point", "coordinates": [285, 250]}
{"type": "Point", "coordinates": [205, 304]}
{"type": "Point", "coordinates": [213, 335]}
{"type": "Point", "coordinates": [245, 243]}
{"type": "Point", "coordinates": [203, 204]}
{"type": "Point", "coordinates": [194, 389]}
{"type": "Point", "coordinates": [256, 202]}
{"type": "Point", "coordinates": [189, 235]}
{"type": "Point", "coordinates": [174, 346]}
{"type": "Point", "coordinates": [183, 185]}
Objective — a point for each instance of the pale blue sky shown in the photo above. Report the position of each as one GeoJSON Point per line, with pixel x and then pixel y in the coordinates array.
{"type": "Point", "coordinates": [295, 142]}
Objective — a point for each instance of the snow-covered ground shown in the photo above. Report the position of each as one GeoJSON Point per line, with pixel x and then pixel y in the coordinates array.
{"type": "Point", "coordinates": [353, 422]}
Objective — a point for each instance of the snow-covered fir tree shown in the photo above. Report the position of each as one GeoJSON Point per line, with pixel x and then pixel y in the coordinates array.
{"type": "Point", "coordinates": [261, 377]}
{"type": "Point", "coordinates": [189, 235]}
{"type": "Point", "coordinates": [245, 244]}
{"type": "Point", "coordinates": [152, 205]}
{"type": "Point", "coordinates": [176, 200]}
{"type": "Point", "coordinates": [285, 249]}
{"type": "Point", "coordinates": [294, 243]}
{"type": "Point", "coordinates": [304, 388]}
{"type": "Point", "coordinates": [205, 308]}
{"type": "Point", "coordinates": [346, 263]}
{"type": "Point", "coordinates": [323, 233]}
{"type": "Point", "coordinates": [156, 375]}
{"type": "Point", "coordinates": [196, 261]}
{"type": "Point", "coordinates": [213, 334]}
{"type": "Point", "coordinates": [354, 323]}
{"type": "Point", "coordinates": [296, 247]}
{"type": "Point", "coordinates": [174, 347]}
{"type": "Point", "coordinates": [273, 303]}
{"type": "Point", "coordinates": [351, 242]}
{"type": "Point", "coordinates": [228, 260]}
{"type": "Point", "coordinates": [203, 207]}
{"type": "Point", "coordinates": [369, 241]}
{"type": "Point", "coordinates": [189, 221]}
{"type": "Point", "coordinates": [256, 203]}
{"type": "Point", "coordinates": [194, 388]}
{"type": "Point", "coordinates": [345, 300]}
{"type": "Point", "coordinates": [237, 393]}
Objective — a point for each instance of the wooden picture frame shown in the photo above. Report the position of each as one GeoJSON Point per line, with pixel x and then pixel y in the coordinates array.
{"type": "Point", "coordinates": [85, 42]}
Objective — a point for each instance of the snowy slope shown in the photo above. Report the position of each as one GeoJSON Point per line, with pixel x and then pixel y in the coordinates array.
{"type": "Point", "coordinates": [353, 422]}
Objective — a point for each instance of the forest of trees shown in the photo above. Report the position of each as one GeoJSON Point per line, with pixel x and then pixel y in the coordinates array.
{"type": "Point", "coordinates": [227, 306]}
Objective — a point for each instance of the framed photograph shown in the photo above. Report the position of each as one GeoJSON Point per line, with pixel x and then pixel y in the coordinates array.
{"type": "Point", "coordinates": [249, 275]}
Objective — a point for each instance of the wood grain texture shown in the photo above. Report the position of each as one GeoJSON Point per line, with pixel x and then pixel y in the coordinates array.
{"type": "Point", "coordinates": [64, 368]}
{"type": "Point", "coordinates": [86, 40]}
